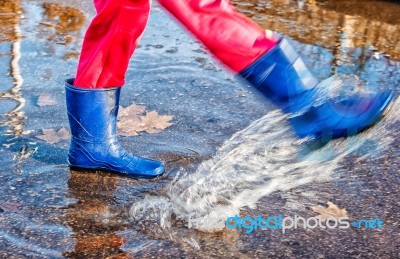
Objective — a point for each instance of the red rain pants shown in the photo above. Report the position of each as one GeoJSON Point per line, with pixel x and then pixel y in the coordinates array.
{"type": "Point", "coordinates": [114, 33]}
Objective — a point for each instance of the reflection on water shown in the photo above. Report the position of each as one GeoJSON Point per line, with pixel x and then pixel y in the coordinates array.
{"type": "Point", "coordinates": [10, 19]}
{"type": "Point", "coordinates": [10, 15]}
{"type": "Point", "coordinates": [94, 219]}
{"type": "Point", "coordinates": [62, 22]}
{"type": "Point", "coordinates": [62, 25]}
{"type": "Point", "coordinates": [99, 215]}
{"type": "Point", "coordinates": [68, 19]}
{"type": "Point", "coordinates": [324, 23]}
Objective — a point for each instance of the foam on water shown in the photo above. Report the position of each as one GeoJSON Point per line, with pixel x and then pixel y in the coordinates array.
{"type": "Point", "coordinates": [263, 158]}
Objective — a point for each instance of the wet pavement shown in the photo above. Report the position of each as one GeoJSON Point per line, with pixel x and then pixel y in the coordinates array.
{"type": "Point", "coordinates": [229, 152]}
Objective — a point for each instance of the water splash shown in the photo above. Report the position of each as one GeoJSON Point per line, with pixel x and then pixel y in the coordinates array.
{"type": "Point", "coordinates": [261, 159]}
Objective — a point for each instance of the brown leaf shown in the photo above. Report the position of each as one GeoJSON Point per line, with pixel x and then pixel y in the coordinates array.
{"type": "Point", "coordinates": [332, 211]}
{"type": "Point", "coordinates": [45, 99]}
{"type": "Point", "coordinates": [127, 127]}
{"type": "Point", "coordinates": [153, 131]}
{"type": "Point", "coordinates": [51, 136]}
{"type": "Point", "coordinates": [132, 109]}
{"type": "Point", "coordinates": [154, 121]}
{"type": "Point", "coordinates": [132, 121]}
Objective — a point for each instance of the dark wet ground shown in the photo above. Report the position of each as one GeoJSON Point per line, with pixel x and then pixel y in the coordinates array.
{"type": "Point", "coordinates": [50, 211]}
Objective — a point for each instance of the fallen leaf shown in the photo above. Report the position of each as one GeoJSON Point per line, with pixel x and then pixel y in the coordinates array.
{"type": "Point", "coordinates": [9, 206]}
{"type": "Point", "coordinates": [153, 130]}
{"type": "Point", "coordinates": [155, 121]}
{"type": "Point", "coordinates": [45, 99]}
{"type": "Point", "coordinates": [332, 211]}
{"type": "Point", "coordinates": [132, 109]}
{"type": "Point", "coordinates": [51, 136]}
{"type": "Point", "coordinates": [132, 120]}
{"type": "Point", "coordinates": [126, 127]}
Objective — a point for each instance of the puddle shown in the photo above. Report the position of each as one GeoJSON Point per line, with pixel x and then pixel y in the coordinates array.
{"type": "Point", "coordinates": [229, 152]}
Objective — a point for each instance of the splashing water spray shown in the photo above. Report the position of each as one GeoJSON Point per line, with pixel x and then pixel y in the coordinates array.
{"type": "Point", "coordinates": [261, 159]}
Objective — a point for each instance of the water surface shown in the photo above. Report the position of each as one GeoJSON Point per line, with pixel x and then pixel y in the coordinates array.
{"type": "Point", "coordinates": [229, 151]}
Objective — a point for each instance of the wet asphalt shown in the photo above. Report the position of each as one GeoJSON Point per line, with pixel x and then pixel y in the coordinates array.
{"type": "Point", "coordinates": [50, 211]}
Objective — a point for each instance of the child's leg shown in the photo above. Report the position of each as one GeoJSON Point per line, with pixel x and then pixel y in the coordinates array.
{"type": "Point", "coordinates": [233, 38]}
{"type": "Point", "coordinates": [110, 41]}
{"type": "Point", "coordinates": [92, 113]}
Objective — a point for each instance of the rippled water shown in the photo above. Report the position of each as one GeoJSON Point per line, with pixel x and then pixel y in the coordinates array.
{"type": "Point", "coordinates": [229, 152]}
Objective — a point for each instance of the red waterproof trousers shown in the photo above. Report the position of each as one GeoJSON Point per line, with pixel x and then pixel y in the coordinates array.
{"type": "Point", "coordinates": [114, 33]}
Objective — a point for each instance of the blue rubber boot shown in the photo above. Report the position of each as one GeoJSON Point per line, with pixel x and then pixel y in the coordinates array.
{"type": "Point", "coordinates": [282, 77]}
{"type": "Point", "coordinates": [92, 115]}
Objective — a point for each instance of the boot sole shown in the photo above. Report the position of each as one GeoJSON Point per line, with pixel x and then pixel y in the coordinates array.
{"type": "Point", "coordinates": [94, 169]}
